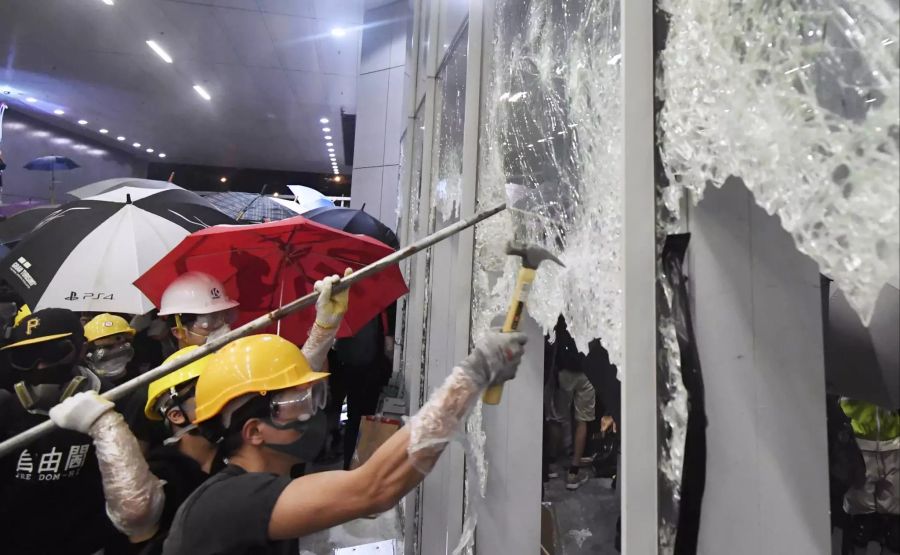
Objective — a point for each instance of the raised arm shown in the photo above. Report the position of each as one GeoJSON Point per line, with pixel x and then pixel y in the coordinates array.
{"type": "Point", "coordinates": [319, 501]}
{"type": "Point", "coordinates": [134, 496]}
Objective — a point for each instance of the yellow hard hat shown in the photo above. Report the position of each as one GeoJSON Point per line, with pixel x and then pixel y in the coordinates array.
{"type": "Point", "coordinates": [104, 325]}
{"type": "Point", "coordinates": [174, 379]}
{"type": "Point", "coordinates": [254, 364]}
{"type": "Point", "coordinates": [24, 312]}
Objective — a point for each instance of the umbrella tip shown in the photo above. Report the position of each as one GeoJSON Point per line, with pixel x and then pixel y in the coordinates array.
{"type": "Point", "coordinates": [128, 198]}
{"type": "Point", "coordinates": [363, 208]}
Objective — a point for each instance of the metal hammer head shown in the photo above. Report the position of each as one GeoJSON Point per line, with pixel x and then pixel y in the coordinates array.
{"type": "Point", "coordinates": [532, 255]}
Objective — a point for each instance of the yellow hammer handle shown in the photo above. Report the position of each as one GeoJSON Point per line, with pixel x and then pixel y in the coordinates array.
{"type": "Point", "coordinates": [513, 316]}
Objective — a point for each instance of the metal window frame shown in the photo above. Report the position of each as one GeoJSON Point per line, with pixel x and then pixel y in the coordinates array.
{"type": "Point", "coordinates": [639, 406]}
{"type": "Point", "coordinates": [639, 450]}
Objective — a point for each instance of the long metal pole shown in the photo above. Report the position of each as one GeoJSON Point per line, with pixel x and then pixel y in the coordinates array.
{"type": "Point", "coordinates": [31, 434]}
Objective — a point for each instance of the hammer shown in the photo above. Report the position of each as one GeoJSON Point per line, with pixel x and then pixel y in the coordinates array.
{"type": "Point", "coordinates": [532, 256]}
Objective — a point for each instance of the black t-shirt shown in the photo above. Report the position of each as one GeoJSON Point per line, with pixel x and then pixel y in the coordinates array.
{"type": "Point", "coordinates": [51, 495]}
{"type": "Point", "coordinates": [229, 515]}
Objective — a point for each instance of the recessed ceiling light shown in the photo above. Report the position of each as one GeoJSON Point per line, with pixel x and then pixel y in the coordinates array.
{"type": "Point", "coordinates": [202, 92]}
{"type": "Point", "coordinates": [327, 137]}
{"type": "Point", "coordinates": [323, 120]}
{"type": "Point", "coordinates": [330, 150]}
{"type": "Point", "coordinates": [120, 138]}
{"type": "Point", "coordinates": [159, 51]}
{"type": "Point", "coordinates": [136, 145]}
{"type": "Point", "coordinates": [108, 2]}
{"type": "Point", "coordinates": [337, 179]}
{"type": "Point", "coordinates": [82, 122]}
{"type": "Point", "coordinates": [58, 112]}
{"type": "Point", "coordinates": [104, 131]}
{"type": "Point", "coordinates": [329, 144]}
{"type": "Point", "coordinates": [338, 32]}
{"type": "Point", "coordinates": [162, 154]}
{"type": "Point", "coordinates": [149, 151]}
{"type": "Point", "coordinates": [326, 129]}
{"type": "Point", "coordinates": [223, 179]}
{"type": "Point", "coordinates": [31, 99]}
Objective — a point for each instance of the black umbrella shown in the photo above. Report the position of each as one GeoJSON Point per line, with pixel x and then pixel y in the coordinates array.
{"type": "Point", "coordinates": [51, 164]}
{"type": "Point", "coordinates": [14, 227]}
{"type": "Point", "coordinates": [354, 221]}
{"type": "Point", "coordinates": [87, 254]}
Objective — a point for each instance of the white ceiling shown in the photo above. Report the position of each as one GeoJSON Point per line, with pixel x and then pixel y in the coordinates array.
{"type": "Point", "coordinates": [271, 66]}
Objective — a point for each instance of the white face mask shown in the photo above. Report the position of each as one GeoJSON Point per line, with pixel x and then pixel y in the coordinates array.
{"type": "Point", "coordinates": [218, 332]}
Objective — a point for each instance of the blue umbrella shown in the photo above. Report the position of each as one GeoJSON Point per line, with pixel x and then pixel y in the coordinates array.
{"type": "Point", "coordinates": [51, 164]}
{"type": "Point", "coordinates": [354, 221]}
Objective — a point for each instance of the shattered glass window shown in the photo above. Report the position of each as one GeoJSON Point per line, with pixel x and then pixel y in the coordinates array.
{"type": "Point", "coordinates": [551, 147]}
{"type": "Point", "coordinates": [801, 100]}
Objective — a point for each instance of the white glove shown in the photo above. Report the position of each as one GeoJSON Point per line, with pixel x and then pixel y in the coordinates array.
{"type": "Point", "coordinates": [495, 358]}
{"type": "Point", "coordinates": [80, 411]}
{"type": "Point", "coordinates": [330, 309]}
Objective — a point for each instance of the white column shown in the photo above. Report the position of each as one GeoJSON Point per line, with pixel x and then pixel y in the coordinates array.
{"type": "Point", "coordinates": [639, 460]}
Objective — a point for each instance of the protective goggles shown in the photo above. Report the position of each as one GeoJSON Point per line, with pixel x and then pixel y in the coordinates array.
{"type": "Point", "coordinates": [298, 404]}
{"type": "Point", "coordinates": [28, 357]}
{"type": "Point", "coordinates": [111, 352]}
{"type": "Point", "coordinates": [215, 320]}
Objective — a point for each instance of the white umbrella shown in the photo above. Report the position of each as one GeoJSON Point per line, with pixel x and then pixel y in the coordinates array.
{"type": "Point", "coordinates": [86, 255]}
{"type": "Point", "coordinates": [107, 185]}
{"type": "Point", "coordinates": [308, 199]}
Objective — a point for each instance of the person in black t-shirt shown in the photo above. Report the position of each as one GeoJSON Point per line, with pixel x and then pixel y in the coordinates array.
{"type": "Point", "coordinates": [263, 399]}
{"type": "Point", "coordinates": [142, 497]}
{"type": "Point", "coordinates": [52, 498]}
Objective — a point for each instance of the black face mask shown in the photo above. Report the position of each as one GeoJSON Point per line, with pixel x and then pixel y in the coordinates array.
{"type": "Point", "coordinates": [312, 438]}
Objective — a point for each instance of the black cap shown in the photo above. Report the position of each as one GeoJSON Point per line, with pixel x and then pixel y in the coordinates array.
{"type": "Point", "coordinates": [47, 325]}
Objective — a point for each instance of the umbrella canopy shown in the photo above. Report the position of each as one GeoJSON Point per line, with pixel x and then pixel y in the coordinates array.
{"type": "Point", "coordinates": [289, 204]}
{"type": "Point", "coordinates": [87, 254]}
{"type": "Point", "coordinates": [107, 185]}
{"type": "Point", "coordinates": [15, 227]}
{"type": "Point", "coordinates": [51, 163]}
{"type": "Point", "coordinates": [309, 199]}
{"type": "Point", "coordinates": [7, 210]}
{"type": "Point", "coordinates": [249, 207]}
{"type": "Point", "coordinates": [354, 221]}
{"type": "Point", "coordinates": [266, 265]}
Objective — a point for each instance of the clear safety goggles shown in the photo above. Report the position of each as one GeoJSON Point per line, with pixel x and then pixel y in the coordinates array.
{"type": "Point", "coordinates": [107, 353]}
{"type": "Point", "coordinates": [215, 320]}
{"type": "Point", "coordinates": [297, 404]}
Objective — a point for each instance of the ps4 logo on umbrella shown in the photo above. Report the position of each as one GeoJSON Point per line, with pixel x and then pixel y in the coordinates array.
{"type": "Point", "coordinates": [73, 296]}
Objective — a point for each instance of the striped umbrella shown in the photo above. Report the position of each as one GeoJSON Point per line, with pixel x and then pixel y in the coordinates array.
{"type": "Point", "coordinates": [86, 255]}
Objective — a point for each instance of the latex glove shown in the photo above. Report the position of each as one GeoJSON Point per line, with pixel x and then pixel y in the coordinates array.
{"type": "Point", "coordinates": [495, 358]}
{"type": "Point", "coordinates": [330, 309]}
{"type": "Point", "coordinates": [80, 411]}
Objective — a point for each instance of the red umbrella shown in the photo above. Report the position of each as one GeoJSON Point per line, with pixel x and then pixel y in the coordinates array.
{"type": "Point", "coordinates": [266, 265]}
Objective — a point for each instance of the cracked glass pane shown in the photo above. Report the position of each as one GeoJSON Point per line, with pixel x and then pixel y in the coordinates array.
{"type": "Point", "coordinates": [551, 146]}
{"type": "Point", "coordinates": [801, 100]}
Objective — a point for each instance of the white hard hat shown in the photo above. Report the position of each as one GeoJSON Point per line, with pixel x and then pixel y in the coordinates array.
{"type": "Point", "coordinates": [194, 293]}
